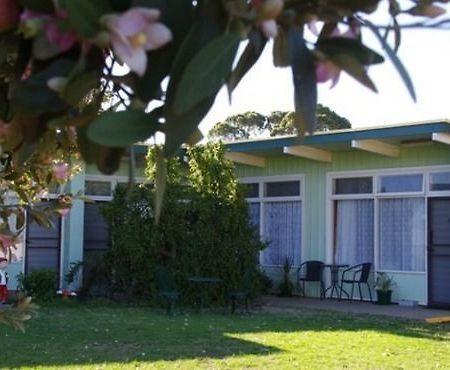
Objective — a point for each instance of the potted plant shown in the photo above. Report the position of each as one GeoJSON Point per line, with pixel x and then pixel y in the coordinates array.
{"type": "Point", "coordinates": [384, 285]}
{"type": "Point", "coordinates": [69, 278]}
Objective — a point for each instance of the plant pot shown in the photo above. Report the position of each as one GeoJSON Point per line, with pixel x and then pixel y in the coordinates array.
{"type": "Point", "coordinates": [384, 297]}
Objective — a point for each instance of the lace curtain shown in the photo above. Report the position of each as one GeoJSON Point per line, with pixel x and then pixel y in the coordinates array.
{"type": "Point", "coordinates": [354, 231]}
{"type": "Point", "coordinates": [282, 228]}
{"type": "Point", "coordinates": [402, 234]}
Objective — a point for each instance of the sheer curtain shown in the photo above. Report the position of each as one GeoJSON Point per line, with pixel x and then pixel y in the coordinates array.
{"type": "Point", "coordinates": [354, 231]}
{"type": "Point", "coordinates": [402, 234]}
{"type": "Point", "coordinates": [282, 228]}
{"type": "Point", "coordinates": [254, 211]}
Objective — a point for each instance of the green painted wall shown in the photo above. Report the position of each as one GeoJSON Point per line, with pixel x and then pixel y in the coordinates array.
{"type": "Point", "coordinates": [314, 200]}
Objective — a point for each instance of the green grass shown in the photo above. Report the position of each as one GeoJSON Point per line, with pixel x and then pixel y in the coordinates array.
{"type": "Point", "coordinates": [118, 337]}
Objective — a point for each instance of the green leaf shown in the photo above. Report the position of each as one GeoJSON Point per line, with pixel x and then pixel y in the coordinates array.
{"type": "Point", "coordinates": [79, 86]}
{"type": "Point", "coordinates": [32, 96]}
{"type": "Point", "coordinates": [108, 159]}
{"type": "Point", "coordinates": [210, 22]}
{"type": "Point", "coordinates": [195, 137]}
{"type": "Point", "coordinates": [206, 72]}
{"type": "Point", "coordinates": [354, 68]}
{"type": "Point", "coordinates": [84, 15]}
{"type": "Point", "coordinates": [252, 52]}
{"type": "Point", "coordinates": [180, 128]}
{"type": "Point", "coordinates": [395, 60]}
{"type": "Point", "coordinates": [281, 50]}
{"type": "Point", "coordinates": [305, 85]}
{"type": "Point", "coordinates": [122, 129]}
{"type": "Point", "coordinates": [41, 218]}
{"type": "Point", "coordinates": [20, 220]}
{"type": "Point", "coordinates": [343, 45]}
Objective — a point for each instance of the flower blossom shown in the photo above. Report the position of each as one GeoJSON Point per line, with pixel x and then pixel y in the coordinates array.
{"type": "Point", "coordinates": [135, 32]}
{"type": "Point", "coordinates": [64, 204]}
{"type": "Point", "coordinates": [268, 11]}
{"type": "Point", "coordinates": [326, 69]}
{"type": "Point", "coordinates": [269, 28]}
{"type": "Point", "coordinates": [33, 22]}
{"type": "Point", "coordinates": [60, 172]}
{"type": "Point", "coordinates": [7, 241]}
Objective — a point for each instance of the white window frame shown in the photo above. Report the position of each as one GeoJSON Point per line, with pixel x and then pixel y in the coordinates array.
{"type": "Point", "coordinates": [261, 180]}
{"type": "Point", "coordinates": [436, 193]}
{"type": "Point", "coordinates": [113, 180]}
{"type": "Point", "coordinates": [376, 174]}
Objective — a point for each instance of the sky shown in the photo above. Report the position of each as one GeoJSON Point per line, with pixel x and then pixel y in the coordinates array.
{"type": "Point", "coordinates": [424, 52]}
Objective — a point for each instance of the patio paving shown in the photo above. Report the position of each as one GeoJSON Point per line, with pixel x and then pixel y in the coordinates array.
{"type": "Point", "coordinates": [271, 302]}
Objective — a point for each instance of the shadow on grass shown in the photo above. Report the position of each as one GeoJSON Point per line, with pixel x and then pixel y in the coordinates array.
{"type": "Point", "coordinates": [63, 336]}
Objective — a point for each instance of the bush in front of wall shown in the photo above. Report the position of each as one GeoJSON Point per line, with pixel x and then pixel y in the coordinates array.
{"type": "Point", "coordinates": [129, 261]}
{"type": "Point", "coordinates": [41, 284]}
{"type": "Point", "coordinates": [204, 228]}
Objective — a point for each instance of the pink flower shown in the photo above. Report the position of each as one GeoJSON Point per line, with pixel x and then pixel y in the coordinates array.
{"type": "Point", "coordinates": [64, 40]}
{"type": "Point", "coordinates": [64, 204]}
{"type": "Point", "coordinates": [7, 241]}
{"type": "Point", "coordinates": [327, 70]}
{"type": "Point", "coordinates": [33, 22]}
{"type": "Point", "coordinates": [269, 28]}
{"type": "Point", "coordinates": [60, 172]}
{"type": "Point", "coordinates": [63, 211]}
{"type": "Point", "coordinates": [135, 32]}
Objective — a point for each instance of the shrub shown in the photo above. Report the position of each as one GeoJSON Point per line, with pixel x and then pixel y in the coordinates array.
{"type": "Point", "coordinates": [41, 284]}
{"type": "Point", "coordinates": [204, 227]}
{"type": "Point", "coordinates": [264, 282]}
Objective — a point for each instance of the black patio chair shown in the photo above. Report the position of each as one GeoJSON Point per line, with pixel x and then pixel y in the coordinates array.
{"type": "Point", "coordinates": [310, 271]}
{"type": "Point", "coordinates": [166, 287]}
{"type": "Point", "coordinates": [356, 274]}
{"type": "Point", "coordinates": [243, 292]}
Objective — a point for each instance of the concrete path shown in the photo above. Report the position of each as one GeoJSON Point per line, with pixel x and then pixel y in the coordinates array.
{"type": "Point", "coordinates": [270, 302]}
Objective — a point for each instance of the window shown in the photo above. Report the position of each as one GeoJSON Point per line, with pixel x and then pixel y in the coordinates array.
{"type": "Point", "coordinates": [255, 214]}
{"type": "Point", "coordinates": [98, 188]}
{"type": "Point", "coordinates": [400, 221]}
{"type": "Point", "coordinates": [356, 185]}
{"type": "Point", "coordinates": [278, 221]}
{"type": "Point", "coordinates": [440, 181]}
{"type": "Point", "coordinates": [251, 190]}
{"type": "Point", "coordinates": [282, 228]}
{"type": "Point", "coordinates": [402, 234]}
{"type": "Point", "coordinates": [401, 183]}
{"type": "Point", "coordinates": [354, 231]}
{"type": "Point", "coordinates": [282, 188]}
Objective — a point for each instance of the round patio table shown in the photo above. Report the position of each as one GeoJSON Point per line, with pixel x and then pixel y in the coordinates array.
{"type": "Point", "coordinates": [334, 281]}
{"type": "Point", "coordinates": [202, 283]}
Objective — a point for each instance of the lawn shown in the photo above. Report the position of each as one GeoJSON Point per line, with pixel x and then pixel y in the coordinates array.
{"type": "Point", "coordinates": [136, 337]}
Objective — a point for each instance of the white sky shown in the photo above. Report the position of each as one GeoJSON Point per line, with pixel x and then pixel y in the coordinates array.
{"type": "Point", "coordinates": [424, 53]}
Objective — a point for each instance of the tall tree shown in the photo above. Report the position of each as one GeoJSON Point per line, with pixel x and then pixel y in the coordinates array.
{"type": "Point", "coordinates": [251, 124]}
